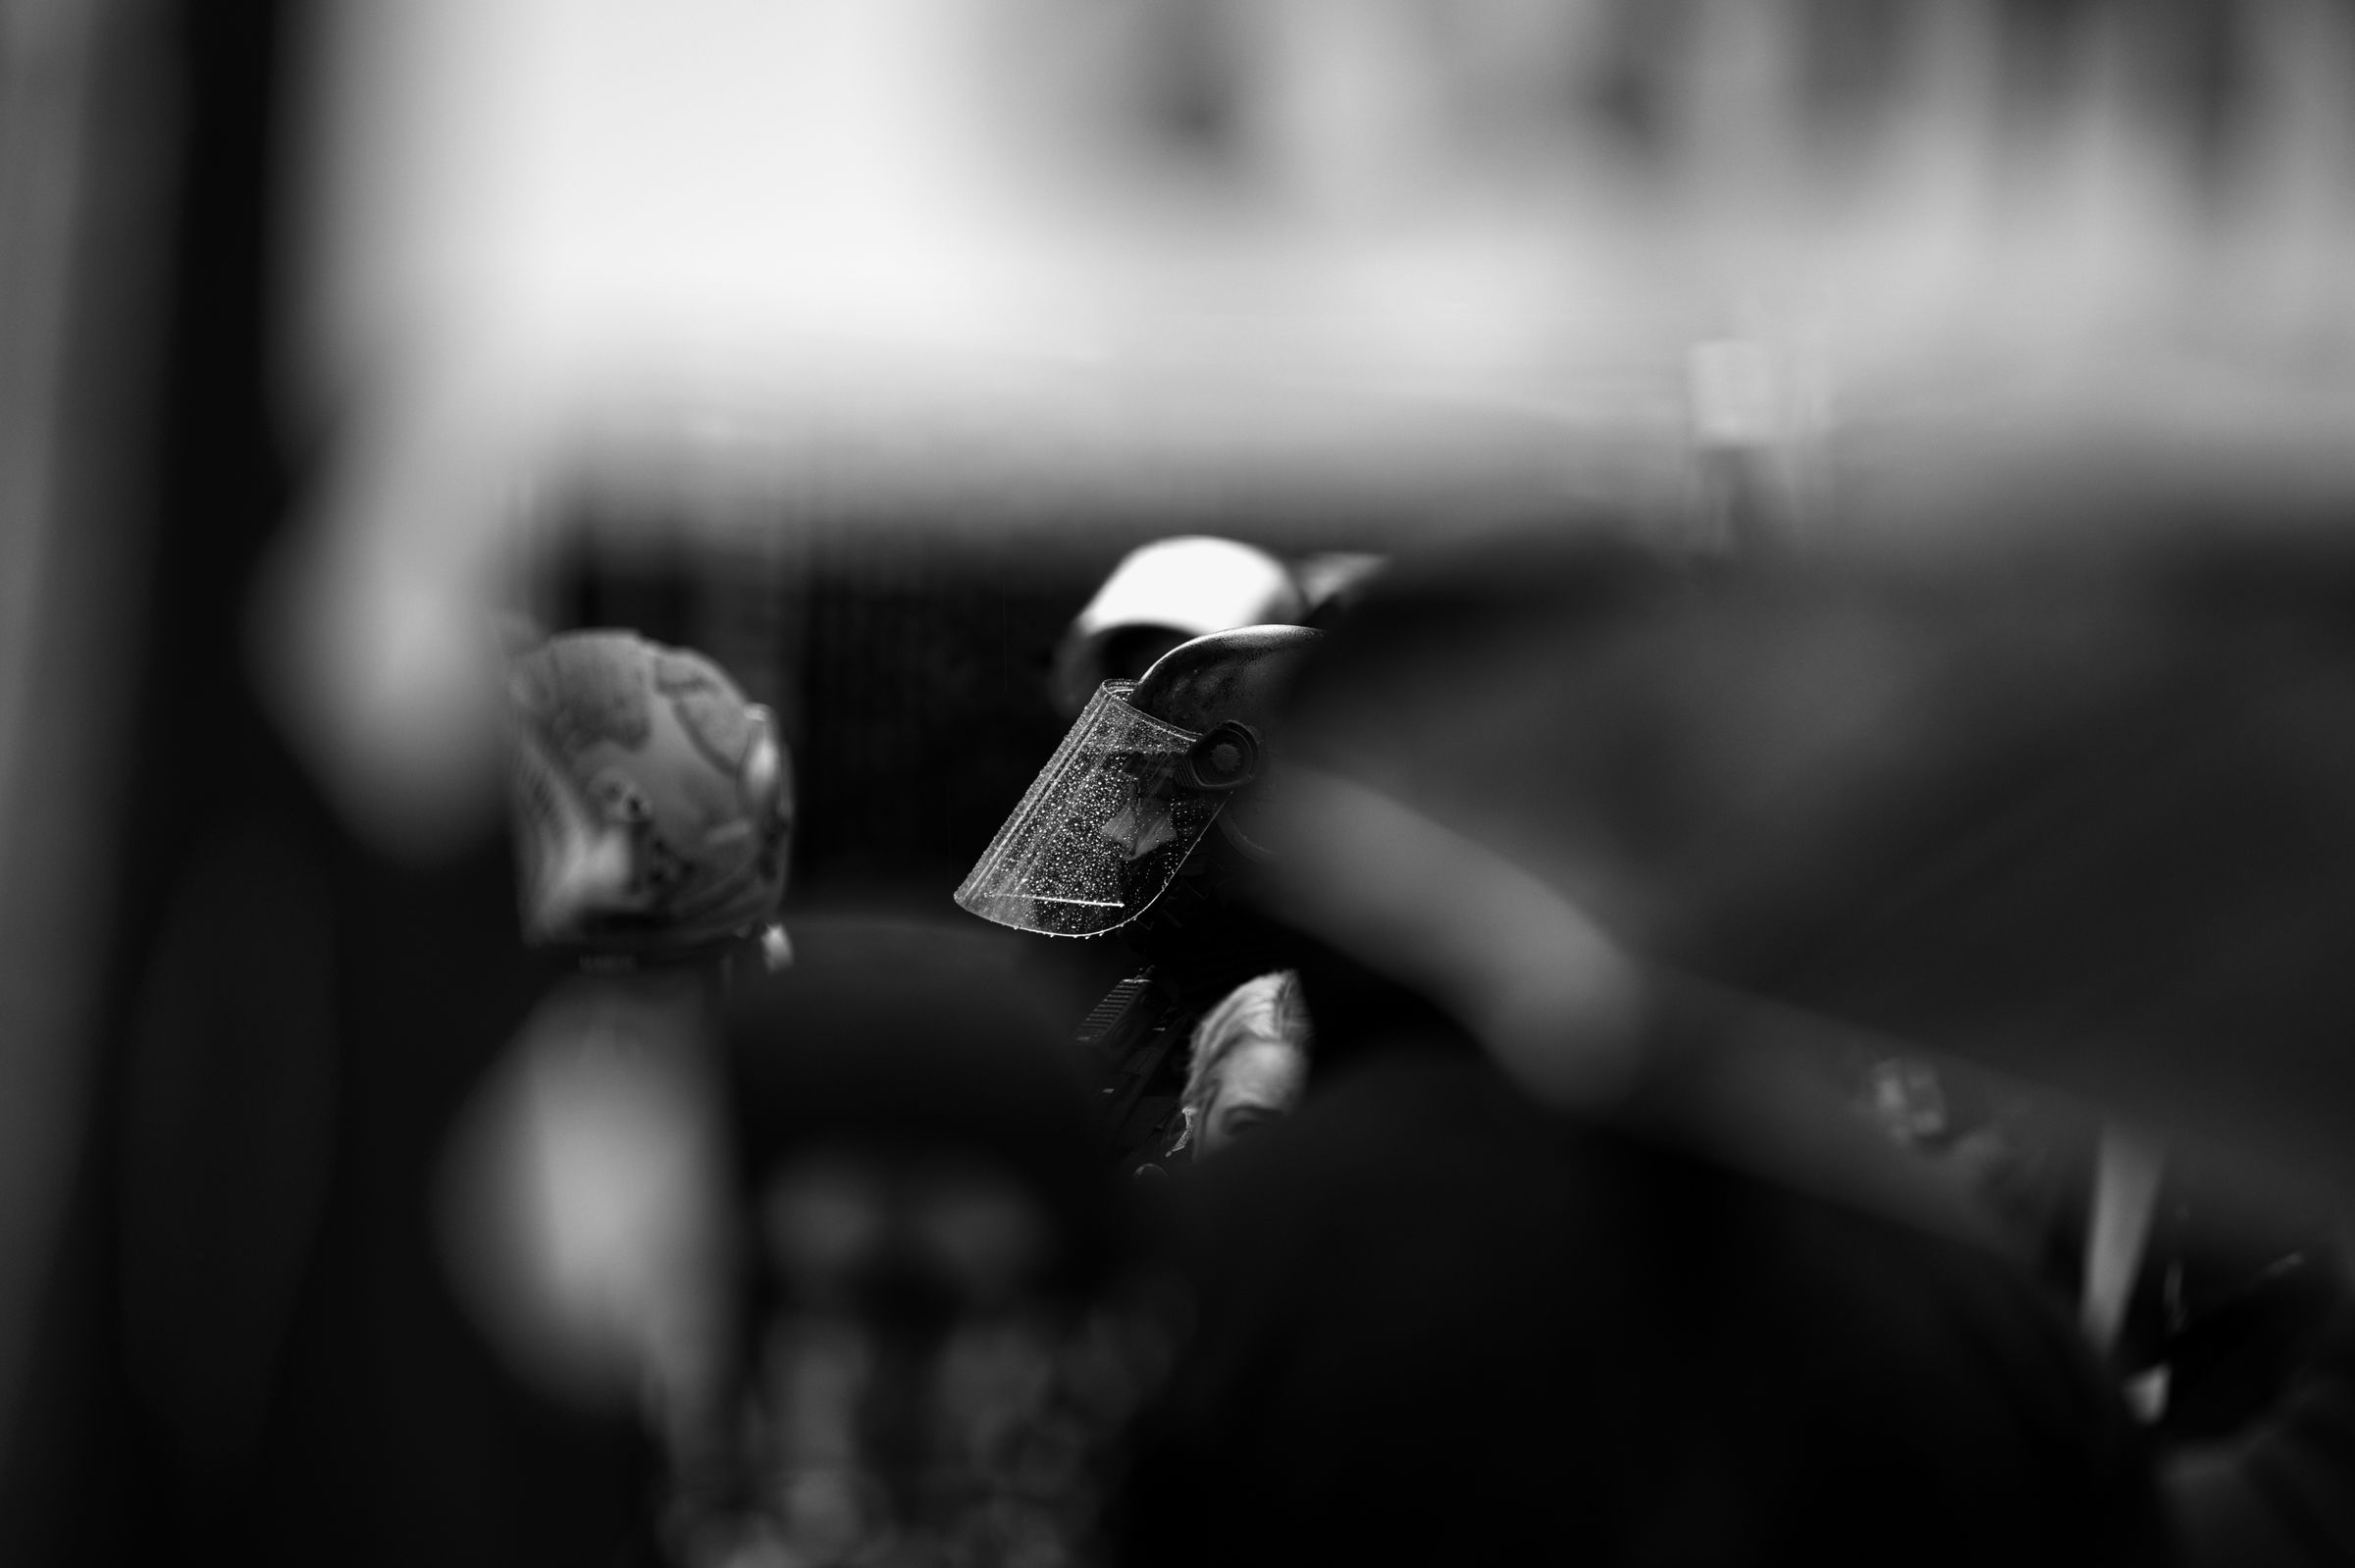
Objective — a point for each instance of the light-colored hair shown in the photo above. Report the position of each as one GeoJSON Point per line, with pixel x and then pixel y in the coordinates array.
{"type": "Point", "coordinates": [1265, 1008]}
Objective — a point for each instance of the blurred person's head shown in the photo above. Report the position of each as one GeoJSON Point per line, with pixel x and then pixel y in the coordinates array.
{"type": "Point", "coordinates": [653, 803]}
{"type": "Point", "coordinates": [1164, 593]}
{"type": "Point", "coordinates": [939, 1346]}
{"type": "Point", "coordinates": [2073, 805]}
{"type": "Point", "coordinates": [901, 1045]}
{"type": "Point", "coordinates": [1439, 703]}
{"type": "Point", "coordinates": [1250, 1064]}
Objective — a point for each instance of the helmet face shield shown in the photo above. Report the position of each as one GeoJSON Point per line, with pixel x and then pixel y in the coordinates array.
{"type": "Point", "coordinates": [1101, 831]}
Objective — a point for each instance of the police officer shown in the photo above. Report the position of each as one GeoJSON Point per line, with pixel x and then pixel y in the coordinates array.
{"type": "Point", "coordinates": [1144, 823]}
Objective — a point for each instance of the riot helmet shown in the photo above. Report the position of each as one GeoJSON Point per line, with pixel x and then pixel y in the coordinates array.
{"type": "Point", "coordinates": [653, 803]}
{"type": "Point", "coordinates": [1138, 782]}
{"type": "Point", "coordinates": [1162, 594]}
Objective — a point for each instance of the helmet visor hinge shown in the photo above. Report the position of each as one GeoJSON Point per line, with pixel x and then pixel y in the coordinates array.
{"type": "Point", "coordinates": [1225, 759]}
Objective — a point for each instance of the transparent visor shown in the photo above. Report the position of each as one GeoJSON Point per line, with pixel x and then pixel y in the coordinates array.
{"type": "Point", "coordinates": [1101, 831]}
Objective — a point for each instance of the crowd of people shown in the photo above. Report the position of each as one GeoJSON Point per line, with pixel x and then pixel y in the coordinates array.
{"type": "Point", "coordinates": [1718, 940]}
{"type": "Point", "coordinates": [1630, 1057]}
